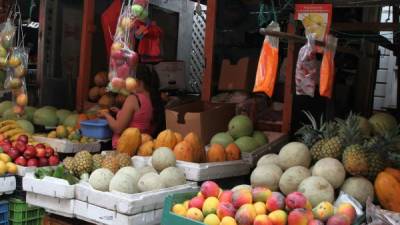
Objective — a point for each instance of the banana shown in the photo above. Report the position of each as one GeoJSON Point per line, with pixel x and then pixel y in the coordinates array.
{"type": "Point", "coordinates": [7, 122]}
{"type": "Point", "coordinates": [9, 127]}
{"type": "Point", "coordinates": [13, 132]}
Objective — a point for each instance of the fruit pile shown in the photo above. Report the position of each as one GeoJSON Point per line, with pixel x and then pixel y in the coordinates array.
{"type": "Point", "coordinates": [129, 180]}
{"type": "Point", "coordinates": [242, 134]}
{"type": "Point", "coordinates": [6, 166]}
{"type": "Point", "coordinates": [12, 129]}
{"type": "Point", "coordinates": [29, 154]}
{"type": "Point", "coordinates": [70, 133]}
{"type": "Point", "coordinates": [244, 205]}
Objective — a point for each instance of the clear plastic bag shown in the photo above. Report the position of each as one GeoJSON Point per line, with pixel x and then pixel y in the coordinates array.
{"type": "Point", "coordinates": [7, 34]}
{"type": "Point", "coordinates": [307, 69]}
{"type": "Point", "coordinates": [377, 216]}
{"type": "Point", "coordinates": [140, 9]}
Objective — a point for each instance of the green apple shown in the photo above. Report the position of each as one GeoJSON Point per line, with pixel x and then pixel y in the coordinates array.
{"type": "Point", "coordinates": [137, 10]}
{"type": "Point", "coordinates": [3, 51]}
{"type": "Point", "coordinates": [144, 15]}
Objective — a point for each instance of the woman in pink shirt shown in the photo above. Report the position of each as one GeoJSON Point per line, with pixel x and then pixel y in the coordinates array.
{"type": "Point", "coordinates": [143, 109]}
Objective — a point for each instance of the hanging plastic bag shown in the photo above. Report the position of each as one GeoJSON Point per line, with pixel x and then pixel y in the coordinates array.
{"type": "Point", "coordinates": [327, 73]}
{"type": "Point", "coordinates": [7, 34]}
{"type": "Point", "coordinates": [140, 9]}
{"type": "Point", "coordinates": [307, 69]}
{"type": "Point", "coordinates": [268, 63]}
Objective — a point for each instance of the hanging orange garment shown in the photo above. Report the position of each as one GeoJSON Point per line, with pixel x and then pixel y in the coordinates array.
{"type": "Point", "coordinates": [327, 71]}
{"type": "Point", "coordinates": [267, 69]}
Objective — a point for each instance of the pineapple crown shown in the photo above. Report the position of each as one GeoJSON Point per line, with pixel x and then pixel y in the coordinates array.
{"type": "Point", "coordinates": [387, 142]}
{"type": "Point", "coordinates": [310, 133]}
{"type": "Point", "coordinates": [349, 130]}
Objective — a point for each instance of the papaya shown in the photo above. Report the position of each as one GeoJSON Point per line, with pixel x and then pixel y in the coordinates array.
{"type": "Point", "coordinates": [183, 151]}
{"type": "Point", "coordinates": [216, 153]}
{"type": "Point", "coordinates": [129, 141]}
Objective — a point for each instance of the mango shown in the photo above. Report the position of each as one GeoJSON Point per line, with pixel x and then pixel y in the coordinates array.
{"type": "Point", "coordinates": [241, 197]}
{"type": "Point", "coordinates": [262, 220]}
{"type": "Point", "coordinates": [246, 215]}
{"type": "Point", "coordinates": [323, 211]}
{"type": "Point", "coordinates": [261, 208]}
{"type": "Point", "coordinates": [210, 189]}
{"type": "Point", "coordinates": [295, 200]}
{"type": "Point", "coordinates": [179, 209]}
{"type": "Point", "coordinates": [210, 206]}
{"type": "Point", "coordinates": [225, 209]}
{"type": "Point", "coordinates": [348, 210]}
{"type": "Point", "coordinates": [261, 194]}
{"type": "Point", "coordinates": [195, 214]}
{"type": "Point", "coordinates": [278, 217]}
{"type": "Point", "coordinates": [275, 202]}
{"type": "Point", "coordinates": [211, 219]}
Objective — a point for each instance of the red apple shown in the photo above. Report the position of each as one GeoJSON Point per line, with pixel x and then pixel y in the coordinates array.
{"type": "Point", "coordinates": [7, 141]}
{"type": "Point", "coordinates": [13, 153]}
{"type": "Point", "coordinates": [20, 146]}
{"type": "Point", "coordinates": [133, 59]}
{"type": "Point", "coordinates": [53, 160]}
{"type": "Point", "coordinates": [49, 151]}
{"type": "Point", "coordinates": [30, 152]}
{"type": "Point", "coordinates": [43, 162]}
{"type": "Point", "coordinates": [23, 138]}
{"type": "Point", "coordinates": [123, 71]}
{"type": "Point", "coordinates": [32, 162]}
{"type": "Point", "coordinates": [117, 54]}
{"type": "Point", "coordinates": [6, 147]}
{"type": "Point", "coordinates": [40, 150]}
{"type": "Point", "coordinates": [20, 161]}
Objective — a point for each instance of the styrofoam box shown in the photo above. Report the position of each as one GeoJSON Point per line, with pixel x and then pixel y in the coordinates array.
{"type": "Point", "coordinates": [48, 186]}
{"type": "Point", "coordinates": [66, 146]}
{"type": "Point", "coordinates": [23, 170]}
{"type": "Point", "coordinates": [98, 215]}
{"type": "Point", "coordinates": [203, 171]}
{"type": "Point", "coordinates": [129, 204]}
{"type": "Point", "coordinates": [7, 184]}
{"type": "Point", "coordinates": [276, 141]}
{"type": "Point", "coordinates": [59, 206]}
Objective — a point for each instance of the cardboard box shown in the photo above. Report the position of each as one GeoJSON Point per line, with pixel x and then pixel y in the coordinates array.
{"type": "Point", "coordinates": [240, 76]}
{"type": "Point", "coordinates": [204, 119]}
{"type": "Point", "coordinates": [171, 74]}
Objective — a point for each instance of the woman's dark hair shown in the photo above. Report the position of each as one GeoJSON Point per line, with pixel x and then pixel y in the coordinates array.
{"type": "Point", "coordinates": [151, 82]}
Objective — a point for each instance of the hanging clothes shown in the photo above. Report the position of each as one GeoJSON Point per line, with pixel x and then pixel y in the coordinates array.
{"type": "Point", "coordinates": [149, 46]}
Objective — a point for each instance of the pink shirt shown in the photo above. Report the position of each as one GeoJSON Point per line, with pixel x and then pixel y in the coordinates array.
{"type": "Point", "coordinates": [141, 119]}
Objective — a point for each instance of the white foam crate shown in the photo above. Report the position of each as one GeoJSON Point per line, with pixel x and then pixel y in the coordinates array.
{"type": "Point", "coordinates": [48, 186]}
{"type": "Point", "coordinates": [59, 206]}
{"type": "Point", "coordinates": [7, 184]}
{"type": "Point", "coordinates": [98, 215]}
{"type": "Point", "coordinates": [129, 204]}
{"type": "Point", "coordinates": [276, 141]}
{"type": "Point", "coordinates": [203, 171]}
{"type": "Point", "coordinates": [23, 170]}
{"type": "Point", "coordinates": [66, 146]}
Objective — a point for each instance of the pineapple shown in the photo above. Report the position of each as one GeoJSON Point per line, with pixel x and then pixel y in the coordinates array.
{"type": "Point", "coordinates": [69, 164]}
{"type": "Point", "coordinates": [97, 161]}
{"type": "Point", "coordinates": [355, 157]}
{"type": "Point", "coordinates": [310, 133]}
{"type": "Point", "coordinates": [83, 163]}
{"type": "Point", "coordinates": [124, 160]}
{"type": "Point", "coordinates": [332, 143]}
{"type": "Point", "coordinates": [111, 162]}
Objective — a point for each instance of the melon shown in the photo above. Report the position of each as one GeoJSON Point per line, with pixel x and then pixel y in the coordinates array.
{"type": "Point", "coordinates": [268, 159]}
{"type": "Point", "coordinates": [360, 188]}
{"type": "Point", "coordinates": [332, 170]}
{"type": "Point", "coordinates": [172, 176]}
{"type": "Point", "coordinates": [162, 158]}
{"type": "Point", "coordinates": [222, 138]}
{"type": "Point", "coordinates": [26, 126]}
{"type": "Point", "coordinates": [71, 120]}
{"type": "Point", "coordinates": [382, 122]}
{"type": "Point", "coordinates": [29, 112]}
{"type": "Point", "coordinates": [9, 115]}
{"type": "Point", "coordinates": [294, 154]}
{"type": "Point", "coordinates": [100, 179]}
{"type": "Point", "coordinates": [122, 182]}
{"type": "Point", "coordinates": [45, 116]}
{"type": "Point", "coordinates": [260, 138]}
{"type": "Point", "coordinates": [150, 182]}
{"type": "Point", "coordinates": [266, 176]}
{"type": "Point", "coordinates": [133, 173]}
{"type": "Point", "coordinates": [246, 144]}
{"type": "Point", "coordinates": [240, 126]}
{"type": "Point", "coordinates": [5, 105]}
{"type": "Point", "coordinates": [62, 114]}
{"type": "Point", "coordinates": [316, 190]}
{"type": "Point", "coordinates": [147, 169]}
{"type": "Point", "coordinates": [291, 179]}
{"type": "Point", "coordinates": [50, 108]}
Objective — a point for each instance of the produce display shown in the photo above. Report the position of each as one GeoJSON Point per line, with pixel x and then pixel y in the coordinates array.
{"type": "Point", "coordinates": [58, 172]}
{"type": "Point", "coordinates": [245, 205]}
{"type": "Point", "coordinates": [69, 133]}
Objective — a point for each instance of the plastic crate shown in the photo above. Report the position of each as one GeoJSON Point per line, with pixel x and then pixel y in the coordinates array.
{"type": "Point", "coordinates": [23, 214]}
{"type": "Point", "coordinates": [4, 212]}
{"type": "Point", "coordinates": [97, 129]}
{"type": "Point", "coordinates": [169, 217]}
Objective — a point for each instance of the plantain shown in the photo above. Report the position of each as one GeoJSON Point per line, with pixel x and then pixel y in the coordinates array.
{"type": "Point", "coordinates": [9, 127]}
{"type": "Point", "coordinates": [7, 122]}
{"type": "Point", "coordinates": [13, 132]}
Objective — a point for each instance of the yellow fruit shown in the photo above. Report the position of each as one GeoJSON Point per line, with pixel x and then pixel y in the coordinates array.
{"type": "Point", "coordinates": [3, 168]}
{"type": "Point", "coordinates": [11, 168]}
{"type": "Point", "coordinates": [195, 214]}
{"type": "Point", "coordinates": [211, 219]}
{"type": "Point", "coordinates": [129, 141]}
{"type": "Point", "coordinates": [5, 158]}
{"type": "Point", "coordinates": [186, 204]}
{"type": "Point", "coordinates": [179, 209]}
{"type": "Point", "coordinates": [261, 208]}
{"type": "Point", "coordinates": [52, 134]}
{"type": "Point", "coordinates": [165, 139]}
{"type": "Point", "coordinates": [227, 220]}
{"type": "Point", "coordinates": [146, 149]}
{"type": "Point", "coordinates": [210, 206]}
{"type": "Point", "coordinates": [14, 61]}
{"type": "Point", "coordinates": [70, 129]}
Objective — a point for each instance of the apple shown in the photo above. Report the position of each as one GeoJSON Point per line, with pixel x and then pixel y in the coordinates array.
{"type": "Point", "coordinates": [54, 160]}
{"type": "Point", "coordinates": [23, 138]}
{"type": "Point", "coordinates": [18, 109]}
{"type": "Point", "coordinates": [130, 84]}
{"type": "Point", "coordinates": [40, 150]}
{"type": "Point", "coordinates": [6, 147]}
{"type": "Point", "coordinates": [13, 153]}
{"type": "Point", "coordinates": [43, 162]}
{"type": "Point", "coordinates": [117, 55]}
{"type": "Point", "coordinates": [118, 83]}
{"type": "Point", "coordinates": [32, 163]}
{"type": "Point", "coordinates": [7, 141]}
{"type": "Point", "coordinates": [20, 146]}
{"type": "Point", "coordinates": [49, 151]}
{"type": "Point", "coordinates": [123, 71]}
{"type": "Point", "coordinates": [137, 9]}
{"type": "Point", "coordinates": [22, 100]}
{"type": "Point", "coordinates": [20, 161]}
{"type": "Point", "coordinates": [132, 59]}
{"type": "Point", "coordinates": [30, 153]}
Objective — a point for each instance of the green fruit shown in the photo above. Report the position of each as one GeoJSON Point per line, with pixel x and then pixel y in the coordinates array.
{"type": "Point", "coordinates": [5, 106]}
{"type": "Point", "coordinates": [247, 144]}
{"type": "Point", "coordinates": [382, 122]}
{"type": "Point", "coordinates": [71, 120]}
{"type": "Point", "coordinates": [3, 51]}
{"type": "Point", "coordinates": [9, 115]}
{"type": "Point", "coordinates": [260, 138]}
{"type": "Point", "coordinates": [222, 138]}
{"type": "Point", "coordinates": [62, 114]}
{"type": "Point", "coordinates": [137, 10]}
{"type": "Point", "coordinates": [240, 126]}
{"type": "Point", "coordinates": [26, 125]}
{"type": "Point", "coordinates": [45, 116]}
{"type": "Point", "coordinates": [29, 111]}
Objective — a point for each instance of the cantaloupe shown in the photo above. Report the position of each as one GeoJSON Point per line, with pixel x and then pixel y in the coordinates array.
{"type": "Point", "coordinates": [291, 179]}
{"type": "Point", "coordinates": [132, 172]}
{"type": "Point", "coordinates": [122, 182]}
{"type": "Point", "coordinates": [163, 158]}
{"type": "Point", "coordinates": [359, 187]}
{"type": "Point", "coordinates": [268, 159]}
{"type": "Point", "coordinates": [332, 170]}
{"type": "Point", "coordinates": [150, 182]}
{"type": "Point", "coordinates": [172, 176]}
{"type": "Point", "coordinates": [100, 179]}
{"type": "Point", "coordinates": [147, 169]}
{"type": "Point", "coordinates": [294, 154]}
{"type": "Point", "coordinates": [222, 138]}
{"type": "Point", "coordinates": [317, 189]}
{"type": "Point", "coordinates": [266, 176]}
{"type": "Point", "coordinates": [240, 126]}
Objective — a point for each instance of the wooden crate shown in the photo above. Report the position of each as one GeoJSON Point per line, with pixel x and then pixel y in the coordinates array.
{"type": "Point", "coordinates": [59, 220]}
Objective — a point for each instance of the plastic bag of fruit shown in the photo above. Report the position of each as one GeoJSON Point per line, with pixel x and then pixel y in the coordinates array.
{"type": "Point", "coordinates": [307, 69]}
{"type": "Point", "coordinates": [377, 216]}
{"type": "Point", "coordinates": [7, 34]}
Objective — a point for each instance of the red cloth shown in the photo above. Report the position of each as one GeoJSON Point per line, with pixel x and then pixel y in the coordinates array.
{"type": "Point", "coordinates": [149, 46]}
{"type": "Point", "coordinates": [109, 20]}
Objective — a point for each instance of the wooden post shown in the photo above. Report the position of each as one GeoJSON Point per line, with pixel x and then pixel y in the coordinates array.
{"type": "Point", "coordinates": [209, 50]}
{"type": "Point", "coordinates": [85, 54]}
{"type": "Point", "coordinates": [396, 42]}
{"type": "Point", "coordinates": [288, 94]}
